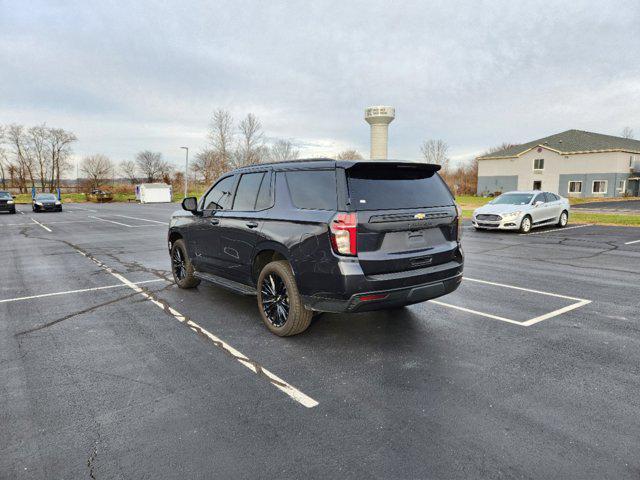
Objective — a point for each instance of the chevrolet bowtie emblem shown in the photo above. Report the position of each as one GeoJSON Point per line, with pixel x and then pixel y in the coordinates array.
{"type": "Point", "coordinates": [419, 216]}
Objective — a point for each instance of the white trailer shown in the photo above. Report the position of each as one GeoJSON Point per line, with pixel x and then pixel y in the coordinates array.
{"type": "Point", "coordinates": [153, 193]}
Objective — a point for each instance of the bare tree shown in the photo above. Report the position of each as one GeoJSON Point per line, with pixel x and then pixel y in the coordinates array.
{"type": "Point", "coordinates": [250, 147]}
{"type": "Point", "coordinates": [4, 162]}
{"type": "Point", "coordinates": [97, 169]}
{"type": "Point", "coordinates": [59, 148]}
{"type": "Point", "coordinates": [129, 169]}
{"type": "Point", "coordinates": [436, 151]}
{"type": "Point", "coordinates": [151, 164]}
{"type": "Point", "coordinates": [208, 165]}
{"type": "Point", "coordinates": [221, 135]}
{"type": "Point", "coordinates": [37, 140]}
{"type": "Point", "coordinates": [349, 154]}
{"type": "Point", "coordinates": [16, 138]}
{"type": "Point", "coordinates": [627, 132]}
{"type": "Point", "coordinates": [282, 151]}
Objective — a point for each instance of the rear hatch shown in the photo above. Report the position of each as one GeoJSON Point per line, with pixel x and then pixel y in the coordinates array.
{"type": "Point", "coordinates": [406, 216]}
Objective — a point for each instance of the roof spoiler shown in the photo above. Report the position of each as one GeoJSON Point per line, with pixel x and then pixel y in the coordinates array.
{"type": "Point", "coordinates": [428, 167]}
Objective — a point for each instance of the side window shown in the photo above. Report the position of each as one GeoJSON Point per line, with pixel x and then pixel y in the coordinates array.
{"type": "Point", "coordinates": [313, 189]}
{"type": "Point", "coordinates": [265, 199]}
{"type": "Point", "coordinates": [247, 192]}
{"type": "Point", "coordinates": [219, 196]}
{"type": "Point", "coordinates": [549, 197]}
{"type": "Point", "coordinates": [539, 198]}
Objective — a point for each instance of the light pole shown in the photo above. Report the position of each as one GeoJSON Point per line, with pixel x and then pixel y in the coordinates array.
{"type": "Point", "coordinates": [186, 170]}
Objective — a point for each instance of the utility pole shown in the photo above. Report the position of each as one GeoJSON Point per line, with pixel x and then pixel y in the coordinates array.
{"type": "Point", "coordinates": [186, 170]}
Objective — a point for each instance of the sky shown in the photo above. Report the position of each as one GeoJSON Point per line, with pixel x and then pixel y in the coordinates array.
{"type": "Point", "coordinates": [131, 76]}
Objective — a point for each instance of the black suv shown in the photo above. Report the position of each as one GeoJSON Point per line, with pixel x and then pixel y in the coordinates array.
{"type": "Point", "coordinates": [322, 236]}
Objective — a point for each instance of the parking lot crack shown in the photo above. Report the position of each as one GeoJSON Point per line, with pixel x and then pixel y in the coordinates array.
{"type": "Point", "coordinates": [75, 314]}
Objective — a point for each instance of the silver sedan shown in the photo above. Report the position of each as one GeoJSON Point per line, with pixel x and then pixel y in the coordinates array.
{"type": "Point", "coordinates": [522, 211]}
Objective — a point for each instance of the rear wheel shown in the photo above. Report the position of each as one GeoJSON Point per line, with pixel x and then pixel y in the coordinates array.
{"type": "Point", "coordinates": [279, 301]}
{"type": "Point", "coordinates": [181, 266]}
{"type": "Point", "coordinates": [564, 219]}
{"type": "Point", "coordinates": [525, 225]}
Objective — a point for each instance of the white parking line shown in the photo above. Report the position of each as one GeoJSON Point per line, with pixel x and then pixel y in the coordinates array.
{"type": "Point", "coordinates": [80, 208]}
{"type": "Point", "coordinates": [276, 381]}
{"type": "Point", "coordinates": [49, 223]}
{"type": "Point", "coordinates": [38, 223]}
{"type": "Point", "coordinates": [558, 229]}
{"type": "Point", "coordinates": [81, 290]}
{"type": "Point", "coordinates": [143, 219]}
{"type": "Point", "coordinates": [110, 221]}
{"type": "Point", "coordinates": [631, 243]}
{"type": "Point", "coordinates": [579, 302]}
{"type": "Point", "coordinates": [521, 288]}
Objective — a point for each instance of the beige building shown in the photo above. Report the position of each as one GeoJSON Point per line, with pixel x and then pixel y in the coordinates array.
{"type": "Point", "coordinates": [571, 163]}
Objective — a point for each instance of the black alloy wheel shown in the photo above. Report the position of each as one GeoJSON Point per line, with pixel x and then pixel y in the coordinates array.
{"type": "Point", "coordinates": [177, 261]}
{"type": "Point", "coordinates": [275, 299]}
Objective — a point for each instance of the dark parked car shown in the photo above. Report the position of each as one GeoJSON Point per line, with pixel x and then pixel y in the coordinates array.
{"type": "Point", "coordinates": [6, 203]}
{"type": "Point", "coordinates": [46, 202]}
{"type": "Point", "coordinates": [322, 235]}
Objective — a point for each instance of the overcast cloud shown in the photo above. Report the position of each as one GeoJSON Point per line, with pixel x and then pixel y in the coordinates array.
{"type": "Point", "coordinates": [127, 76]}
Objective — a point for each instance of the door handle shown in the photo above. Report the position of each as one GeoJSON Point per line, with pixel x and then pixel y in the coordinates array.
{"type": "Point", "coordinates": [252, 225]}
{"type": "Point", "coordinates": [214, 221]}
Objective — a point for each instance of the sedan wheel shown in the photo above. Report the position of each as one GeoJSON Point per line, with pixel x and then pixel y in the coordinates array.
{"type": "Point", "coordinates": [525, 226]}
{"type": "Point", "coordinates": [564, 219]}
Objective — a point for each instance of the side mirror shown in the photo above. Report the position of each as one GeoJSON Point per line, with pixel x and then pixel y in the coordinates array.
{"type": "Point", "coordinates": [538, 203]}
{"type": "Point", "coordinates": [190, 204]}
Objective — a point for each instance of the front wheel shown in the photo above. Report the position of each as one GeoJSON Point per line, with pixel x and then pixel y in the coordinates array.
{"type": "Point", "coordinates": [181, 266]}
{"type": "Point", "coordinates": [525, 225]}
{"type": "Point", "coordinates": [564, 219]}
{"type": "Point", "coordinates": [279, 301]}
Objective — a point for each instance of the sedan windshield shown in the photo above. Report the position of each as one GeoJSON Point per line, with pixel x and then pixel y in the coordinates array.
{"type": "Point", "coordinates": [513, 199]}
{"type": "Point", "coordinates": [5, 195]}
{"type": "Point", "coordinates": [46, 196]}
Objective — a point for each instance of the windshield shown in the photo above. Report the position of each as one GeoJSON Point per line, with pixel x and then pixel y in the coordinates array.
{"type": "Point", "coordinates": [46, 196]}
{"type": "Point", "coordinates": [5, 195]}
{"type": "Point", "coordinates": [513, 199]}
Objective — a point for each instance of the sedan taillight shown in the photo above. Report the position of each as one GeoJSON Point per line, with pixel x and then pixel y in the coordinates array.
{"type": "Point", "coordinates": [343, 228]}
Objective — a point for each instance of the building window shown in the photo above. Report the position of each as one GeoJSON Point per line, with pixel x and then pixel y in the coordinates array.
{"type": "Point", "coordinates": [599, 186]}
{"type": "Point", "coordinates": [538, 164]}
{"type": "Point", "coordinates": [575, 187]}
{"type": "Point", "coordinates": [621, 185]}
{"type": "Point", "coordinates": [537, 185]}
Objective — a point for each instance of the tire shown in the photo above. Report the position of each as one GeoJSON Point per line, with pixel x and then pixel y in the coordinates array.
{"type": "Point", "coordinates": [279, 301]}
{"type": "Point", "coordinates": [181, 266]}
{"type": "Point", "coordinates": [563, 219]}
{"type": "Point", "coordinates": [525, 224]}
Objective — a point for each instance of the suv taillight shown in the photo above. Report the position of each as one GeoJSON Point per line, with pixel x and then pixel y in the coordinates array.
{"type": "Point", "coordinates": [343, 233]}
{"type": "Point", "coordinates": [459, 222]}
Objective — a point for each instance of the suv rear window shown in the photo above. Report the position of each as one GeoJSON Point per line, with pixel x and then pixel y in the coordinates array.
{"type": "Point", "coordinates": [383, 187]}
{"type": "Point", "coordinates": [313, 189]}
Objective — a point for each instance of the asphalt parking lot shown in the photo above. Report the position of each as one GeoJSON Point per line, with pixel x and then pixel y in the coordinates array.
{"type": "Point", "coordinates": [530, 370]}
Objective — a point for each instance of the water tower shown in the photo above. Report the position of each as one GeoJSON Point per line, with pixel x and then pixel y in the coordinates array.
{"type": "Point", "coordinates": [379, 117]}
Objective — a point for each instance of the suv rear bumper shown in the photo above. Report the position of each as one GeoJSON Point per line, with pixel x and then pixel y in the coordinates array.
{"type": "Point", "coordinates": [366, 300]}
